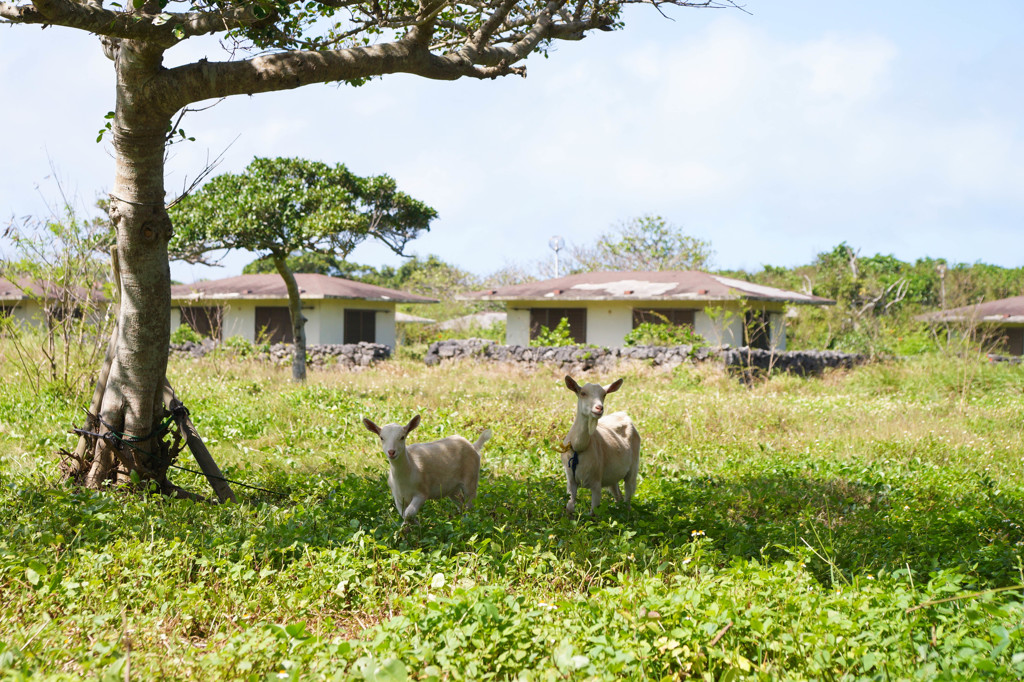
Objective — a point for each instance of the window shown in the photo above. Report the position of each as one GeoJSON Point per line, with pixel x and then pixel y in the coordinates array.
{"type": "Point", "coordinates": [273, 325]}
{"type": "Point", "coordinates": [550, 317]}
{"type": "Point", "coordinates": [757, 329]}
{"type": "Point", "coordinates": [675, 316]}
{"type": "Point", "coordinates": [360, 325]}
{"type": "Point", "coordinates": [207, 322]}
{"type": "Point", "coordinates": [1013, 341]}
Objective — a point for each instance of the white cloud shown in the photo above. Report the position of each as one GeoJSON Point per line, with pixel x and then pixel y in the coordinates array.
{"type": "Point", "coordinates": [772, 143]}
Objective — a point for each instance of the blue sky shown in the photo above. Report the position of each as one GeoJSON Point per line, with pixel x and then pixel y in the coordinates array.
{"type": "Point", "coordinates": [897, 127]}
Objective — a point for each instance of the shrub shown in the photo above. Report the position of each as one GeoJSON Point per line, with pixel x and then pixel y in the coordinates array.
{"type": "Point", "coordinates": [559, 336]}
{"type": "Point", "coordinates": [663, 334]}
{"type": "Point", "coordinates": [184, 334]}
{"type": "Point", "coordinates": [240, 346]}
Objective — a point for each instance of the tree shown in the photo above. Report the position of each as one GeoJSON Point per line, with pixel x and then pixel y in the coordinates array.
{"type": "Point", "coordinates": [314, 263]}
{"type": "Point", "coordinates": [279, 206]}
{"type": "Point", "coordinates": [433, 278]}
{"type": "Point", "coordinates": [274, 45]}
{"type": "Point", "coordinates": [644, 243]}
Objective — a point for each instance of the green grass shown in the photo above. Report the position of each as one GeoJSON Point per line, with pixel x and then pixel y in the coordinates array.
{"type": "Point", "coordinates": [863, 525]}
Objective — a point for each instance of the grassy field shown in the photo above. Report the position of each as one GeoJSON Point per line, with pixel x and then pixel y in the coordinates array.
{"type": "Point", "coordinates": [863, 525]}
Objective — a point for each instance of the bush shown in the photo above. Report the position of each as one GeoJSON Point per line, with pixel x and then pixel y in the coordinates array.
{"type": "Point", "coordinates": [663, 334]}
{"type": "Point", "coordinates": [559, 336]}
{"type": "Point", "coordinates": [239, 345]}
{"type": "Point", "coordinates": [185, 334]}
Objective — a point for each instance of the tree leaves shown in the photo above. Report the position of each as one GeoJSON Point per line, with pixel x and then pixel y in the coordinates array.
{"type": "Point", "coordinates": [645, 243]}
{"type": "Point", "coordinates": [286, 205]}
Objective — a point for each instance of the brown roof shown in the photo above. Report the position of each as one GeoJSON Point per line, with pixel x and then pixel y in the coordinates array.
{"type": "Point", "coordinates": [1009, 310]}
{"type": "Point", "coordinates": [26, 289]}
{"type": "Point", "coordinates": [272, 286]}
{"type": "Point", "coordinates": [661, 285]}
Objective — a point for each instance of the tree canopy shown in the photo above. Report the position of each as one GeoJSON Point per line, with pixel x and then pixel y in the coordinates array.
{"type": "Point", "coordinates": [280, 206]}
{"type": "Point", "coordinates": [315, 263]}
{"type": "Point", "coordinates": [648, 242]}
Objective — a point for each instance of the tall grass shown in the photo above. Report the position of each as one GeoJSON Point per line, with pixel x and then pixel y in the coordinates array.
{"type": "Point", "coordinates": [863, 525]}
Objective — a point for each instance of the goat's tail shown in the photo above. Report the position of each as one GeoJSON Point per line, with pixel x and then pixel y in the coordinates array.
{"type": "Point", "coordinates": [484, 437]}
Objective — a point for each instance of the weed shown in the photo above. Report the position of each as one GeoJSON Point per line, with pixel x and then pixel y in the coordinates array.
{"type": "Point", "coordinates": [864, 526]}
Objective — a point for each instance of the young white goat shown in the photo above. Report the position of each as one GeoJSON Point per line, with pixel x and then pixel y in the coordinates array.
{"type": "Point", "coordinates": [449, 467]}
{"type": "Point", "coordinates": [601, 450]}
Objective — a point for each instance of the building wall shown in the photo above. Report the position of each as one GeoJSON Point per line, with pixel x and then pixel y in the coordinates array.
{"type": "Point", "coordinates": [608, 322]}
{"type": "Point", "coordinates": [386, 327]}
{"type": "Point", "coordinates": [778, 330]}
{"type": "Point", "coordinates": [325, 318]}
{"type": "Point", "coordinates": [240, 320]}
{"type": "Point", "coordinates": [30, 312]}
{"type": "Point", "coordinates": [26, 312]}
{"type": "Point", "coordinates": [331, 319]}
{"type": "Point", "coordinates": [517, 327]}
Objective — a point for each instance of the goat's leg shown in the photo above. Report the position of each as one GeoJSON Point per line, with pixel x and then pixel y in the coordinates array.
{"type": "Point", "coordinates": [469, 490]}
{"type": "Point", "coordinates": [631, 484]}
{"type": "Point", "coordinates": [595, 498]}
{"type": "Point", "coordinates": [616, 493]}
{"type": "Point", "coordinates": [571, 487]}
{"type": "Point", "coordinates": [414, 507]}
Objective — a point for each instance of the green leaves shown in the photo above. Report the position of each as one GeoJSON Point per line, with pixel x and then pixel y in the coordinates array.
{"type": "Point", "coordinates": [645, 243]}
{"type": "Point", "coordinates": [34, 573]}
{"type": "Point", "coordinates": [707, 577]}
{"type": "Point", "coordinates": [286, 205]}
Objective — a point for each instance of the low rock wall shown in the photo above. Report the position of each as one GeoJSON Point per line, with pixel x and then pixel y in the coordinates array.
{"type": "Point", "coordinates": [583, 358]}
{"type": "Point", "coordinates": [346, 355]}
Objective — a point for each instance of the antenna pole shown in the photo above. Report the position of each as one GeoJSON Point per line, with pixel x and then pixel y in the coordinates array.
{"type": "Point", "coordinates": [556, 243]}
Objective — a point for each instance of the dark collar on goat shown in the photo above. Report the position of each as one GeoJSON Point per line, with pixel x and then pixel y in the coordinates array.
{"type": "Point", "coordinates": [573, 461]}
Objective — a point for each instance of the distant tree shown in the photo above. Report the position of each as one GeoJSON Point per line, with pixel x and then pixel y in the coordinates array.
{"type": "Point", "coordinates": [434, 278]}
{"type": "Point", "coordinates": [428, 276]}
{"type": "Point", "coordinates": [314, 263]}
{"type": "Point", "coordinates": [280, 206]}
{"type": "Point", "coordinates": [644, 243]}
{"type": "Point", "coordinates": [510, 275]}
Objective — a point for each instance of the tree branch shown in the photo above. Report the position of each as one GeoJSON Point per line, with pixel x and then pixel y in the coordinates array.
{"type": "Point", "coordinates": [138, 25]}
{"type": "Point", "coordinates": [280, 71]}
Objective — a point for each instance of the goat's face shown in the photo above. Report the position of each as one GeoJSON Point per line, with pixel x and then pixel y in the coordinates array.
{"type": "Point", "coordinates": [392, 436]}
{"type": "Point", "coordinates": [590, 397]}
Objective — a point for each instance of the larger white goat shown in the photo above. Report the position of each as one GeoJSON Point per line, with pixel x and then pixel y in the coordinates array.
{"type": "Point", "coordinates": [600, 450]}
{"type": "Point", "coordinates": [449, 467]}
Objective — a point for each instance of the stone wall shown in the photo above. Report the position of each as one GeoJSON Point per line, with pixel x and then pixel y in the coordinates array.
{"type": "Point", "coordinates": [583, 358]}
{"type": "Point", "coordinates": [346, 355]}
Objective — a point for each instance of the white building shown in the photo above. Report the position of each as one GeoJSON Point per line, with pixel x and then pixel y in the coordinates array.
{"type": "Point", "coordinates": [38, 302]}
{"type": "Point", "coordinates": [602, 307]}
{"type": "Point", "coordinates": [255, 307]}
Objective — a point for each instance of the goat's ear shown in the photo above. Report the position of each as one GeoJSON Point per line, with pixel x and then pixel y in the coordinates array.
{"type": "Point", "coordinates": [571, 384]}
{"type": "Point", "coordinates": [370, 426]}
{"type": "Point", "coordinates": [614, 386]}
{"type": "Point", "coordinates": [413, 423]}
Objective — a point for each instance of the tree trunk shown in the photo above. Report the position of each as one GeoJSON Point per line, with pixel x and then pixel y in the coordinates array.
{"type": "Point", "coordinates": [132, 403]}
{"type": "Point", "coordinates": [298, 321]}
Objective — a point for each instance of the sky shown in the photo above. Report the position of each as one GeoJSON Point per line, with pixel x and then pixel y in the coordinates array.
{"type": "Point", "coordinates": [775, 134]}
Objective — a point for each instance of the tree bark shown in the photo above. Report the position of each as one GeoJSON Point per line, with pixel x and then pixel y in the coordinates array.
{"type": "Point", "coordinates": [132, 400]}
{"type": "Point", "coordinates": [295, 311]}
